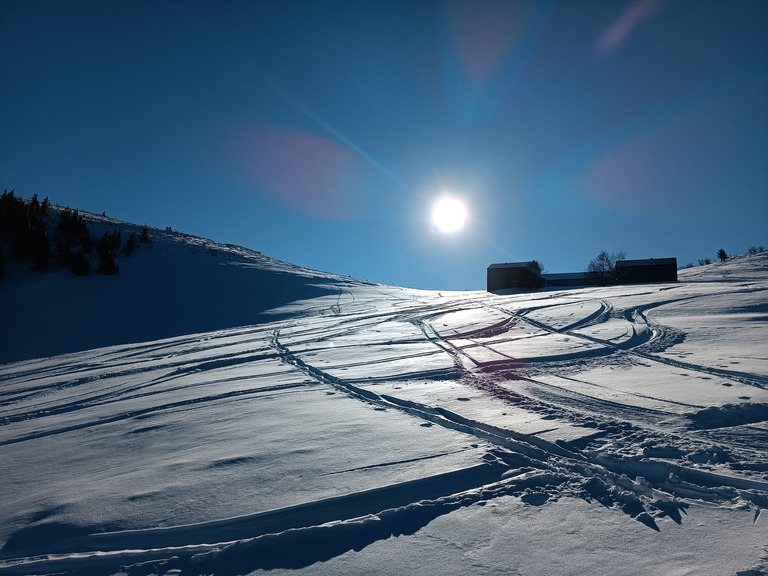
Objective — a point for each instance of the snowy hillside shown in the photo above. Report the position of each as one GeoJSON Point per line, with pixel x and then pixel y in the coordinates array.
{"type": "Point", "coordinates": [310, 424]}
{"type": "Point", "coordinates": [177, 285]}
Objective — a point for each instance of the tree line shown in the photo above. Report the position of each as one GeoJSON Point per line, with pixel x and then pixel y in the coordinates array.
{"type": "Point", "coordinates": [35, 233]}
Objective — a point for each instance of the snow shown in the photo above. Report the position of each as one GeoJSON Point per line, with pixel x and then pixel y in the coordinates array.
{"type": "Point", "coordinates": [214, 411]}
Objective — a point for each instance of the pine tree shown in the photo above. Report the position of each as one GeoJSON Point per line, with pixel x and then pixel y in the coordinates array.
{"type": "Point", "coordinates": [64, 228]}
{"type": "Point", "coordinates": [29, 236]}
{"type": "Point", "coordinates": [14, 222]}
{"type": "Point", "coordinates": [130, 245]}
{"type": "Point", "coordinates": [34, 206]}
{"type": "Point", "coordinates": [73, 230]}
{"type": "Point", "coordinates": [144, 238]}
{"type": "Point", "coordinates": [5, 216]}
{"type": "Point", "coordinates": [39, 249]}
{"type": "Point", "coordinates": [106, 253]}
{"type": "Point", "coordinates": [722, 255]}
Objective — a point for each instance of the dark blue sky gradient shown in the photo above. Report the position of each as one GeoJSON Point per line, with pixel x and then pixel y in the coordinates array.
{"type": "Point", "coordinates": [320, 132]}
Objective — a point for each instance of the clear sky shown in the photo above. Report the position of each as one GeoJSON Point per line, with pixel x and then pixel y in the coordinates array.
{"type": "Point", "coordinates": [322, 132]}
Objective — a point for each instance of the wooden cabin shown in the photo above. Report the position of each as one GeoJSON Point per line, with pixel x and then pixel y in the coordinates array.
{"type": "Point", "coordinates": [648, 270]}
{"type": "Point", "coordinates": [513, 275]}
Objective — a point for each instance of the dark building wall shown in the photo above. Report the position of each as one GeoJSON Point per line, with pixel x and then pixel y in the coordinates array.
{"type": "Point", "coordinates": [554, 280]}
{"type": "Point", "coordinates": [505, 277]}
{"type": "Point", "coordinates": [640, 271]}
{"type": "Point", "coordinates": [523, 275]}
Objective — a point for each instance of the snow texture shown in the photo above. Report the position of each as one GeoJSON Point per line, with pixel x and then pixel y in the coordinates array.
{"type": "Point", "coordinates": [213, 411]}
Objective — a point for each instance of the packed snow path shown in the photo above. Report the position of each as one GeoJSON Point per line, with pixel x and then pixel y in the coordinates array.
{"type": "Point", "coordinates": [375, 410]}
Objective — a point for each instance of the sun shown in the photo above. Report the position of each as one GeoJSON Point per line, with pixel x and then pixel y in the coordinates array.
{"type": "Point", "coordinates": [449, 214]}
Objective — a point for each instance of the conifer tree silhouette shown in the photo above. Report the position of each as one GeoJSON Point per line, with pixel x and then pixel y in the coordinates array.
{"type": "Point", "coordinates": [130, 245]}
{"type": "Point", "coordinates": [106, 253]}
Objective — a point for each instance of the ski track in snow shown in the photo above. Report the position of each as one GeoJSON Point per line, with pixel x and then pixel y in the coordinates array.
{"type": "Point", "coordinates": [637, 450]}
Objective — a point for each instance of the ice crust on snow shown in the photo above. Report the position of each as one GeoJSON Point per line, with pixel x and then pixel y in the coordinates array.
{"type": "Point", "coordinates": [285, 420]}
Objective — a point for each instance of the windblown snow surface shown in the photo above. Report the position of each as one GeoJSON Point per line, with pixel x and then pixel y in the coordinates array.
{"type": "Point", "coordinates": [343, 427]}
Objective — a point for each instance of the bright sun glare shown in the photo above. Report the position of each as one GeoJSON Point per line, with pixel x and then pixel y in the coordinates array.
{"type": "Point", "coordinates": [449, 214]}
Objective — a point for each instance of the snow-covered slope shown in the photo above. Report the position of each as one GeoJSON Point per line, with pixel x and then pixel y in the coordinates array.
{"type": "Point", "coordinates": [374, 429]}
{"type": "Point", "coordinates": [178, 285]}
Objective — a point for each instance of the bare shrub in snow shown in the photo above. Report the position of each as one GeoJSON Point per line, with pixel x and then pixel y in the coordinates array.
{"type": "Point", "coordinates": [603, 266]}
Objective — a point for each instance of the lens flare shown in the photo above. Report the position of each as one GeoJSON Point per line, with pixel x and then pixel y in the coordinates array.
{"type": "Point", "coordinates": [449, 215]}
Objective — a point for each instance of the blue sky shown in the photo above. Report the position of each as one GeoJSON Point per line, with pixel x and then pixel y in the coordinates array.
{"type": "Point", "coordinates": [321, 133]}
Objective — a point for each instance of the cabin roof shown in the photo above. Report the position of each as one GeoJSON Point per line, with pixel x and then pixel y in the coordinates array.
{"type": "Point", "coordinates": [512, 265]}
{"type": "Point", "coordinates": [648, 262]}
